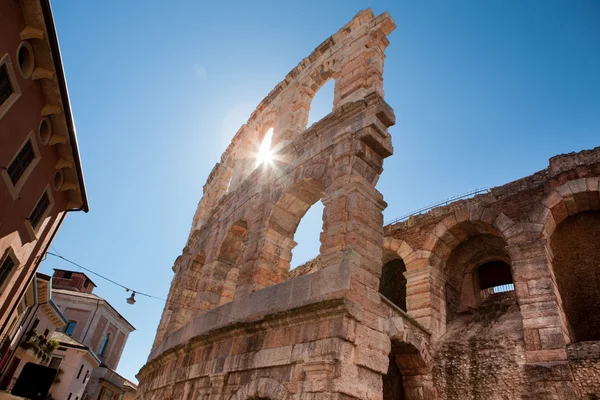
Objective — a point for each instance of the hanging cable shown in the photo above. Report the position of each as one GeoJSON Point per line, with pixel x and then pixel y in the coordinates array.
{"type": "Point", "coordinates": [57, 255]}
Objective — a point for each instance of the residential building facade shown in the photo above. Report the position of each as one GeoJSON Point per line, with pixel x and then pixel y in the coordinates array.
{"type": "Point", "coordinates": [96, 325]}
{"type": "Point", "coordinates": [33, 341]}
{"type": "Point", "coordinates": [41, 177]}
{"type": "Point", "coordinates": [75, 363]}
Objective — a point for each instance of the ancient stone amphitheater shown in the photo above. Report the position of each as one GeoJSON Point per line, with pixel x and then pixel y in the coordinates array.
{"type": "Point", "coordinates": [492, 297]}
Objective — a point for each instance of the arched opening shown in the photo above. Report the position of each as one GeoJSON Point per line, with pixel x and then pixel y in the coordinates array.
{"type": "Point", "coordinates": [477, 271]}
{"type": "Point", "coordinates": [230, 259]}
{"type": "Point", "coordinates": [286, 217]}
{"type": "Point", "coordinates": [322, 102]}
{"type": "Point", "coordinates": [393, 389]}
{"type": "Point", "coordinates": [493, 278]}
{"type": "Point", "coordinates": [392, 283]}
{"type": "Point", "coordinates": [576, 247]}
{"type": "Point", "coordinates": [307, 236]}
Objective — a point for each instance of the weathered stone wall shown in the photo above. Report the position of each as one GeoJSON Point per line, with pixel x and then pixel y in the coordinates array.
{"type": "Point", "coordinates": [239, 325]}
{"type": "Point", "coordinates": [584, 360]}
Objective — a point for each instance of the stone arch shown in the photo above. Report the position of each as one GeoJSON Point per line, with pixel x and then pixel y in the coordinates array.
{"type": "Point", "coordinates": [287, 212]}
{"type": "Point", "coordinates": [396, 247]}
{"type": "Point", "coordinates": [229, 260]}
{"type": "Point", "coordinates": [565, 200]}
{"type": "Point", "coordinates": [570, 219]}
{"type": "Point", "coordinates": [274, 241]}
{"type": "Point", "coordinates": [392, 282]}
{"type": "Point", "coordinates": [261, 388]}
{"type": "Point", "coordinates": [459, 226]}
{"type": "Point", "coordinates": [475, 271]}
{"type": "Point", "coordinates": [429, 269]}
{"type": "Point", "coordinates": [413, 363]}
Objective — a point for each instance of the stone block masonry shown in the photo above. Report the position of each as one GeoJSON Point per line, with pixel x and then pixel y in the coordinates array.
{"type": "Point", "coordinates": [480, 291]}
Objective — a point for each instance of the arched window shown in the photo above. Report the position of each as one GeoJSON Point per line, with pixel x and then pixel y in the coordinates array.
{"type": "Point", "coordinates": [494, 277]}
{"type": "Point", "coordinates": [70, 327]}
{"type": "Point", "coordinates": [392, 283]}
{"type": "Point", "coordinates": [576, 265]}
{"type": "Point", "coordinates": [322, 102]}
{"type": "Point", "coordinates": [104, 344]}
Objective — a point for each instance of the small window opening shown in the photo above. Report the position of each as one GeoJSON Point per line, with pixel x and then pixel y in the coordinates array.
{"type": "Point", "coordinates": [104, 344]}
{"type": "Point", "coordinates": [80, 371]}
{"type": "Point", "coordinates": [70, 327]}
{"type": "Point", "coordinates": [55, 362]}
{"type": "Point", "coordinates": [322, 103]}
{"type": "Point", "coordinates": [21, 162]}
{"type": "Point", "coordinates": [39, 210]}
{"type": "Point", "coordinates": [392, 283]}
{"type": "Point", "coordinates": [5, 87]}
{"type": "Point", "coordinates": [67, 275]}
{"type": "Point", "coordinates": [308, 236]}
{"type": "Point", "coordinates": [6, 269]}
{"type": "Point", "coordinates": [495, 277]}
{"type": "Point", "coordinates": [86, 284]}
{"type": "Point", "coordinates": [264, 151]}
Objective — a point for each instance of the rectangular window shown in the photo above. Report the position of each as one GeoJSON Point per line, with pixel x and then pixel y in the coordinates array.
{"type": "Point", "coordinates": [67, 275]}
{"type": "Point", "coordinates": [80, 371]}
{"type": "Point", "coordinates": [21, 162]}
{"type": "Point", "coordinates": [55, 362]}
{"type": "Point", "coordinates": [6, 268]}
{"type": "Point", "coordinates": [5, 87]}
{"type": "Point", "coordinates": [39, 210]}
{"type": "Point", "coordinates": [70, 394]}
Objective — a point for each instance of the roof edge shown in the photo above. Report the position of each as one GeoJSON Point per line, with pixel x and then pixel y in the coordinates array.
{"type": "Point", "coordinates": [64, 94]}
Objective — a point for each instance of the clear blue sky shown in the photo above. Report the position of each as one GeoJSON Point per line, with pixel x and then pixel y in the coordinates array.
{"type": "Point", "coordinates": [484, 93]}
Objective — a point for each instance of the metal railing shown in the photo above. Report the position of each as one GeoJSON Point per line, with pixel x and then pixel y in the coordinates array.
{"type": "Point", "coordinates": [487, 293]}
{"type": "Point", "coordinates": [439, 204]}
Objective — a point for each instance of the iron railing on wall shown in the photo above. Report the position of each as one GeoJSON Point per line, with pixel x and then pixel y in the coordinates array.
{"type": "Point", "coordinates": [487, 293]}
{"type": "Point", "coordinates": [439, 204]}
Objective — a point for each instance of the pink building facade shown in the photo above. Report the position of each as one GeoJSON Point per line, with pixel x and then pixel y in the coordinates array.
{"type": "Point", "coordinates": [96, 325]}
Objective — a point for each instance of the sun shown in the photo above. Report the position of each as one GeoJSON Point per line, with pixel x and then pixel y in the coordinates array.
{"type": "Point", "coordinates": [264, 151]}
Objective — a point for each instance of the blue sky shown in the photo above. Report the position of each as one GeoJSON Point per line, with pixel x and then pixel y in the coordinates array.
{"type": "Point", "coordinates": [484, 93]}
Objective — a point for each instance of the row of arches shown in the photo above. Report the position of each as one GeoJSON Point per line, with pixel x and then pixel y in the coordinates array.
{"type": "Point", "coordinates": [480, 253]}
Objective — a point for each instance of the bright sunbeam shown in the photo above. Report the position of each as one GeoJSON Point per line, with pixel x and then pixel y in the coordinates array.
{"type": "Point", "coordinates": [264, 151]}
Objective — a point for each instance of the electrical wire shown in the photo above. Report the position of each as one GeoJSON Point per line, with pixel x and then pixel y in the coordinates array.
{"type": "Point", "coordinates": [57, 255]}
{"type": "Point", "coordinates": [103, 277]}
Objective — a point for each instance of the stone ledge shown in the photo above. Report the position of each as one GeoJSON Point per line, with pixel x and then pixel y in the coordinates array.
{"type": "Point", "coordinates": [326, 284]}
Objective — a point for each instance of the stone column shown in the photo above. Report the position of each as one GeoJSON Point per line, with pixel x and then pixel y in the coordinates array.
{"type": "Point", "coordinates": [268, 265]}
{"type": "Point", "coordinates": [426, 298]}
{"type": "Point", "coordinates": [544, 323]}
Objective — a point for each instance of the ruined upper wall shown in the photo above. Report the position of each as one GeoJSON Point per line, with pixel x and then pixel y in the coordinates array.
{"type": "Point", "coordinates": [243, 231]}
{"type": "Point", "coordinates": [353, 57]}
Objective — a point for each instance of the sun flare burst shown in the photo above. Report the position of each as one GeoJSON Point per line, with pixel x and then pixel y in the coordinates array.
{"type": "Point", "coordinates": [264, 151]}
